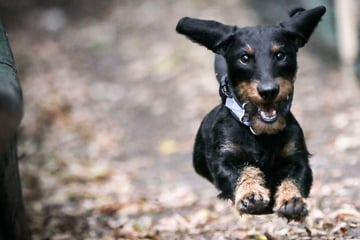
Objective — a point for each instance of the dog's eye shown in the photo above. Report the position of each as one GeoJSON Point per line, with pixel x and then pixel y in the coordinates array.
{"type": "Point", "coordinates": [280, 56]}
{"type": "Point", "coordinates": [245, 59]}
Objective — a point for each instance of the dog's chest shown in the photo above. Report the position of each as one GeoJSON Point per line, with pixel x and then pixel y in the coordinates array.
{"type": "Point", "coordinates": [268, 152]}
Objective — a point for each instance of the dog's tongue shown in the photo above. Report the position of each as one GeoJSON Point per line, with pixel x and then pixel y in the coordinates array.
{"type": "Point", "coordinates": [268, 113]}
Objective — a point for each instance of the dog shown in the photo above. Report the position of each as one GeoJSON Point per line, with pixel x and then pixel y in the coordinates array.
{"type": "Point", "coordinates": [250, 146]}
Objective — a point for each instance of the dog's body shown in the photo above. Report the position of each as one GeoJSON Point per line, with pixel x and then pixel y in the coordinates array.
{"type": "Point", "coordinates": [251, 147]}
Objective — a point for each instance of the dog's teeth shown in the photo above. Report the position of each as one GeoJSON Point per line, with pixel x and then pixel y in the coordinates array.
{"type": "Point", "coordinates": [268, 116]}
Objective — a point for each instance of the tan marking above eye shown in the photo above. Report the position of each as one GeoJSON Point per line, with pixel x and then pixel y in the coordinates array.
{"type": "Point", "coordinates": [275, 48]}
{"type": "Point", "coordinates": [249, 50]}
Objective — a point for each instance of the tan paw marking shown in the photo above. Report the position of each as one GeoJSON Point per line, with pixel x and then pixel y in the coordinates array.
{"type": "Point", "coordinates": [289, 203]}
{"type": "Point", "coordinates": [251, 196]}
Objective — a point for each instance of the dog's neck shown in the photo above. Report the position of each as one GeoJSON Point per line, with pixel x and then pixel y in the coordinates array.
{"type": "Point", "coordinates": [236, 107]}
{"type": "Point", "coordinates": [238, 111]}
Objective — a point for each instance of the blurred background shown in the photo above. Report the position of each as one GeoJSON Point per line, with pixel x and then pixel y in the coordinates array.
{"type": "Point", "coordinates": [113, 100]}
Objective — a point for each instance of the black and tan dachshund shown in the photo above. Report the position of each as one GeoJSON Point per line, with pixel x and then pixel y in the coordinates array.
{"type": "Point", "coordinates": [250, 146]}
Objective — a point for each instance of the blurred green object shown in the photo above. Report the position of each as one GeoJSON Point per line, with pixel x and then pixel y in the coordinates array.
{"type": "Point", "coordinates": [13, 224]}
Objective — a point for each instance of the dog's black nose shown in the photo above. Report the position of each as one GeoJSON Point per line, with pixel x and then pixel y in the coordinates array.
{"type": "Point", "coordinates": [268, 91]}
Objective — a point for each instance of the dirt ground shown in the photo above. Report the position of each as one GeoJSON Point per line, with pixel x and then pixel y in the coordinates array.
{"type": "Point", "coordinates": [113, 100]}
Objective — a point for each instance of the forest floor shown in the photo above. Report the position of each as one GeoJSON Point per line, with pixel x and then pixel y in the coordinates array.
{"type": "Point", "coordinates": [113, 100]}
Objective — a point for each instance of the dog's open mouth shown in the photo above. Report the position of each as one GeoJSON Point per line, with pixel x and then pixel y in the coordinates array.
{"type": "Point", "coordinates": [268, 113]}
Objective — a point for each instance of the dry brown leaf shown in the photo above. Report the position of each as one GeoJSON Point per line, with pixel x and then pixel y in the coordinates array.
{"type": "Point", "coordinates": [344, 213]}
{"type": "Point", "coordinates": [201, 217]}
{"type": "Point", "coordinates": [167, 147]}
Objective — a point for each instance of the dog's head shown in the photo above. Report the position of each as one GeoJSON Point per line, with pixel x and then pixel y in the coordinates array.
{"type": "Point", "coordinates": [261, 61]}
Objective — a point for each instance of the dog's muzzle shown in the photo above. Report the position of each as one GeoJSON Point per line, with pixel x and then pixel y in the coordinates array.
{"type": "Point", "coordinates": [269, 112]}
{"type": "Point", "coordinates": [245, 111]}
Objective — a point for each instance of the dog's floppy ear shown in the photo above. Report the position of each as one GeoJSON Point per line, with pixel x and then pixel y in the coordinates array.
{"type": "Point", "coordinates": [303, 22]}
{"type": "Point", "coordinates": [211, 34]}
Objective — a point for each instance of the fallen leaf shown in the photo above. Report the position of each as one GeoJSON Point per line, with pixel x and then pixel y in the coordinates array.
{"type": "Point", "coordinates": [167, 147]}
{"type": "Point", "coordinates": [342, 214]}
{"type": "Point", "coordinates": [201, 217]}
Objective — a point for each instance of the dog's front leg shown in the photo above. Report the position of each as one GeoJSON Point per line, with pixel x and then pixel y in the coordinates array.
{"type": "Point", "coordinates": [238, 180]}
{"type": "Point", "coordinates": [251, 194]}
{"type": "Point", "coordinates": [290, 202]}
{"type": "Point", "coordinates": [291, 194]}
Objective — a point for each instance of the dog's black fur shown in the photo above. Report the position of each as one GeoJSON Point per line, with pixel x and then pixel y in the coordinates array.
{"type": "Point", "coordinates": [263, 166]}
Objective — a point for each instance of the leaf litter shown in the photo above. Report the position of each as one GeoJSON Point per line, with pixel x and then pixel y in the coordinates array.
{"type": "Point", "coordinates": [110, 121]}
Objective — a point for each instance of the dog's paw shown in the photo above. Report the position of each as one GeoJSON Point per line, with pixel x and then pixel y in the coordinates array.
{"type": "Point", "coordinates": [251, 196]}
{"type": "Point", "coordinates": [252, 203]}
{"type": "Point", "coordinates": [289, 203]}
{"type": "Point", "coordinates": [294, 208]}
